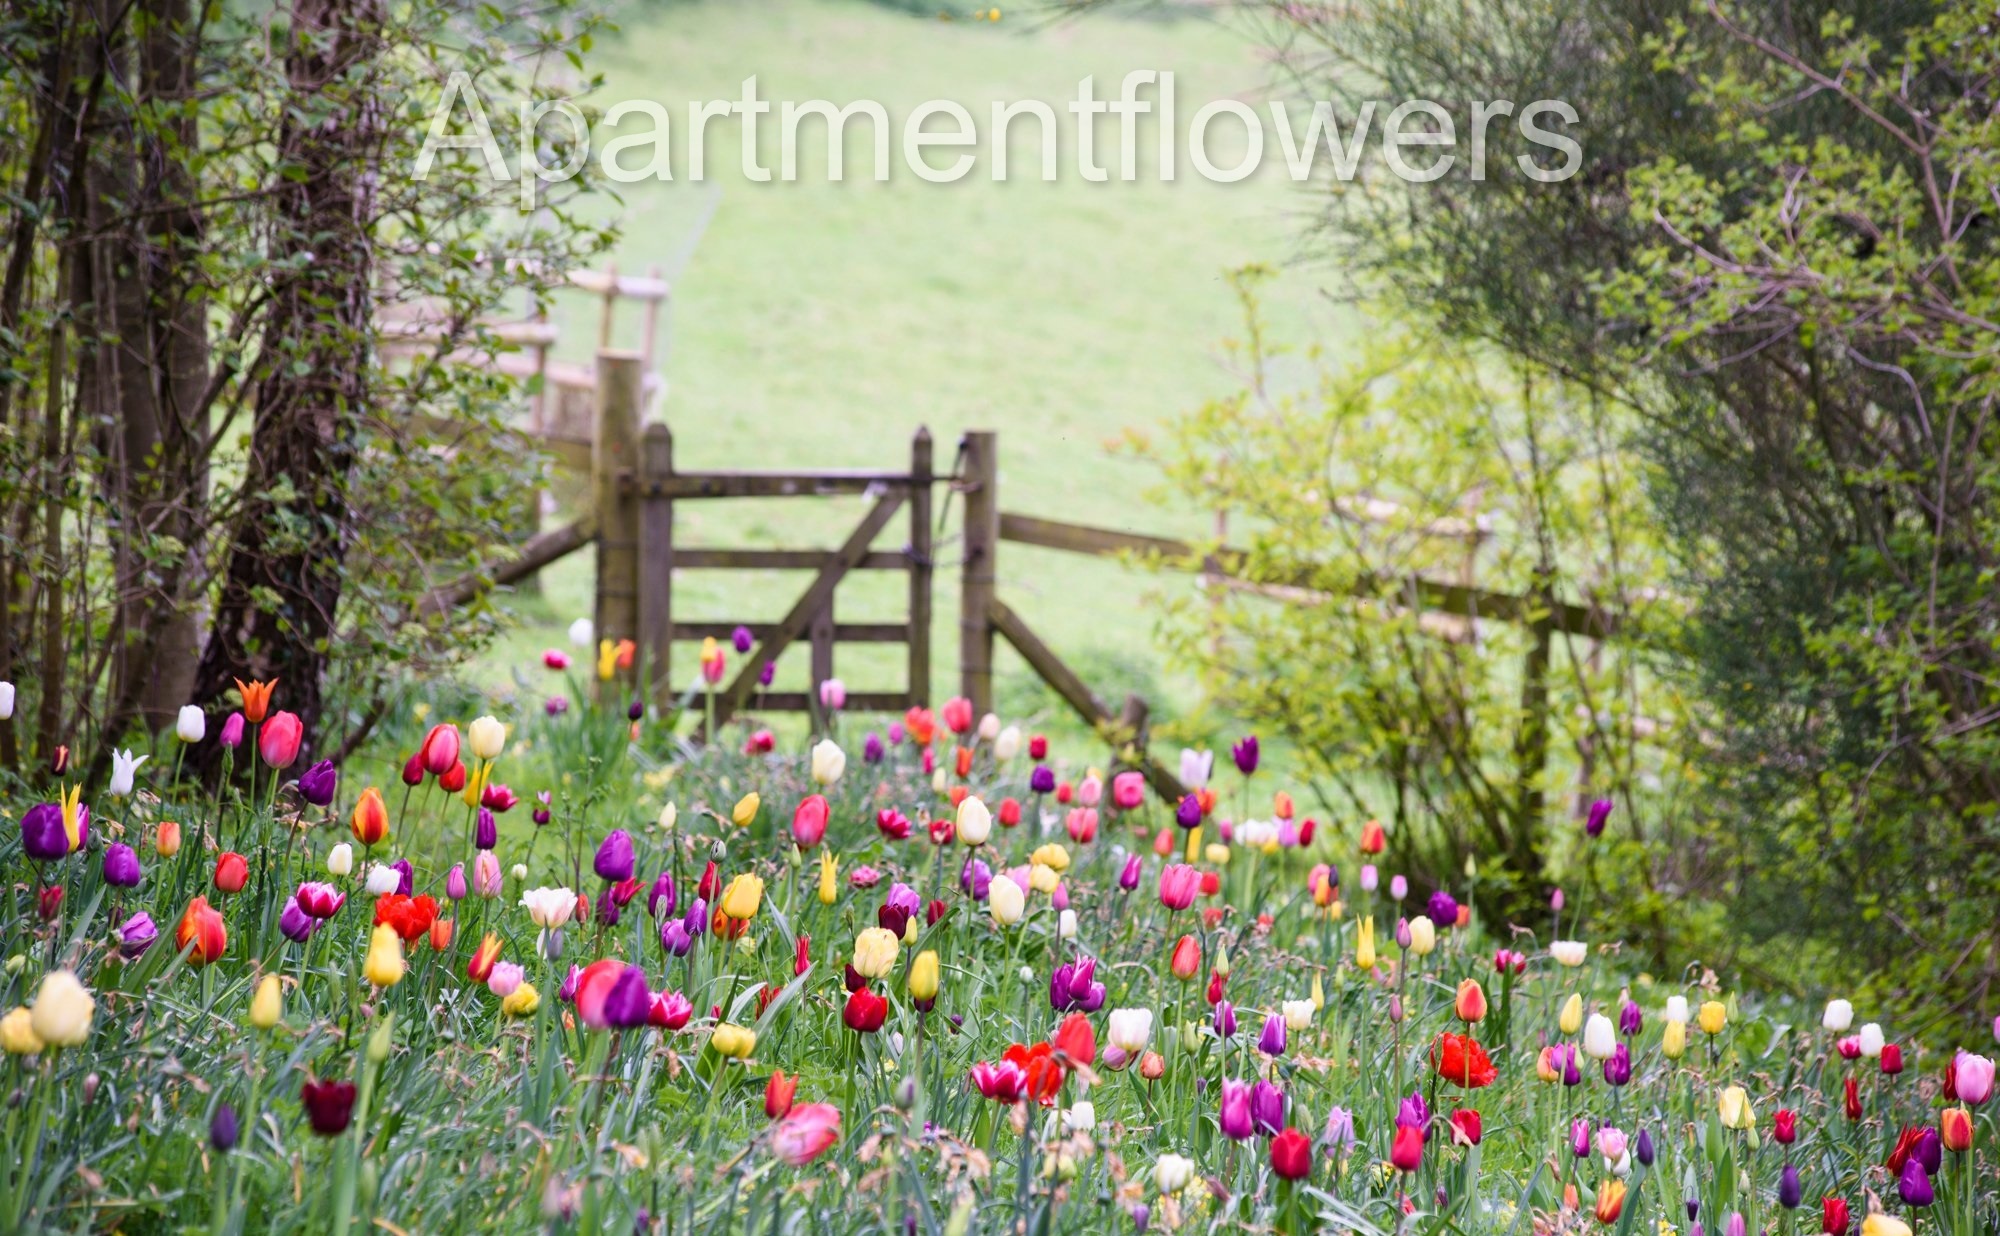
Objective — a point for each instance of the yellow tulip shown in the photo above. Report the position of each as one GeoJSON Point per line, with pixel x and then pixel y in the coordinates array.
{"type": "Point", "coordinates": [1570, 1020]}
{"type": "Point", "coordinates": [1216, 853]}
{"type": "Point", "coordinates": [63, 1009]}
{"type": "Point", "coordinates": [1222, 960]}
{"type": "Point", "coordinates": [384, 965]}
{"type": "Point", "coordinates": [744, 894]}
{"type": "Point", "coordinates": [1318, 993]}
{"type": "Point", "coordinates": [1043, 877]}
{"type": "Point", "coordinates": [607, 660]}
{"type": "Point", "coordinates": [17, 1033]}
{"type": "Point", "coordinates": [1879, 1224]}
{"type": "Point", "coordinates": [1423, 936]}
{"type": "Point", "coordinates": [745, 809]}
{"type": "Point", "coordinates": [924, 976]}
{"type": "Point", "coordinates": [733, 1041]}
{"type": "Point", "coordinates": [1734, 1106]}
{"type": "Point", "coordinates": [829, 877]}
{"type": "Point", "coordinates": [1052, 856]}
{"type": "Point", "coordinates": [1674, 1039]}
{"type": "Point", "coordinates": [1194, 844]}
{"type": "Point", "coordinates": [475, 784]}
{"type": "Point", "coordinates": [522, 1001]}
{"type": "Point", "coordinates": [267, 1006]}
{"type": "Point", "coordinates": [874, 952]}
{"type": "Point", "coordinates": [1364, 943]}
{"type": "Point", "coordinates": [1712, 1017]}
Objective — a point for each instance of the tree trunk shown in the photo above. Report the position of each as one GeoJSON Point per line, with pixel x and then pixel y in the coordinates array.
{"type": "Point", "coordinates": [275, 614]}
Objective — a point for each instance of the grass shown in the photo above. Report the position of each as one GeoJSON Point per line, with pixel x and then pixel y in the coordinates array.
{"type": "Point", "coordinates": [820, 323]}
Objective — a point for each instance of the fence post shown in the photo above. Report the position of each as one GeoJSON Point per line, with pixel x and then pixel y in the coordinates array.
{"type": "Point", "coordinates": [820, 638]}
{"type": "Point", "coordinates": [982, 539]}
{"type": "Point", "coordinates": [920, 568]}
{"type": "Point", "coordinates": [656, 562]}
{"type": "Point", "coordinates": [615, 451]}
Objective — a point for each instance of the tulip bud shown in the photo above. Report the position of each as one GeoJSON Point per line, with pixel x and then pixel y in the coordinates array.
{"type": "Point", "coordinates": [267, 1005]}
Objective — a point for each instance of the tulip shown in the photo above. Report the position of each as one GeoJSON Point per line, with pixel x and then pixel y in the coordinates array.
{"type": "Point", "coordinates": [329, 1106]}
{"type": "Point", "coordinates": [232, 731]}
{"type": "Point", "coordinates": [279, 739]}
{"type": "Point", "coordinates": [1465, 1127]}
{"type": "Point", "coordinates": [201, 933]}
{"type": "Point", "coordinates": [1128, 791]}
{"type": "Point", "coordinates": [486, 738]}
{"type": "Point", "coordinates": [973, 823]}
{"type": "Point", "coordinates": [123, 766]}
{"type": "Point", "coordinates": [384, 965]}
{"type": "Point", "coordinates": [1570, 1019]}
{"type": "Point", "coordinates": [17, 1034]}
{"type": "Point", "coordinates": [1880, 1224]}
{"type": "Point", "coordinates": [1599, 1039]}
{"type": "Point", "coordinates": [1470, 1005]}
{"type": "Point", "coordinates": [522, 1001]}
{"type": "Point", "coordinates": [874, 952]}
{"type": "Point", "coordinates": [121, 865]}
{"type": "Point", "coordinates": [167, 839]}
{"type": "Point", "coordinates": [222, 1128]}
{"type": "Point", "coordinates": [828, 762]}
{"type": "Point", "coordinates": [1784, 1127]}
{"type": "Point", "coordinates": [1955, 1129]}
{"type": "Point", "coordinates": [1244, 753]}
{"type": "Point", "coordinates": [1914, 1186]}
{"type": "Point", "coordinates": [1851, 1100]}
{"type": "Point", "coordinates": [370, 821]}
{"type": "Point", "coordinates": [1186, 958]}
{"type": "Point", "coordinates": [1006, 901]}
{"type": "Point", "coordinates": [62, 1010]}
{"type": "Point", "coordinates": [1570, 953]}
{"type": "Point", "coordinates": [1291, 1155]}
{"type": "Point", "coordinates": [923, 979]}
{"type": "Point", "coordinates": [805, 1133]}
{"type": "Point", "coordinates": [1423, 936]}
{"type": "Point", "coordinates": [745, 809]}
{"type": "Point", "coordinates": [743, 896]}
{"type": "Point", "coordinates": [1872, 1040]}
{"type": "Point", "coordinates": [1235, 1118]}
{"type": "Point", "coordinates": [1673, 1040]}
{"type": "Point", "coordinates": [1406, 1152]}
{"type": "Point", "coordinates": [865, 1011]}
{"type": "Point", "coordinates": [1733, 1104]}
{"type": "Point", "coordinates": [1973, 1078]}
{"type": "Point", "coordinates": [232, 872]}
{"type": "Point", "coordinates": [267, 1005]}
{"type": "Point", "coordinates": [1178, 885]}
{"type": "Point", "coordinates": [135, 935]}
{"type": "Point", "coordinates": [1838, 1017]}
{"type": "Point", "coordinates": [1610, 1201]}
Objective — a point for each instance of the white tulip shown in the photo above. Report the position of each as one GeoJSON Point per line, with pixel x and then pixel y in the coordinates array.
{"type": "Point", "coordinates": [828, 762]}
{"type": "Point", "coordinates": [549, 908]}
{"type": "Point", "coordinates": [1600, 1038]}
{"type": "Point", "coordinates": [1130, 1030]}
{"type": "Point", "coordinates": [668, 815]}
{"type": "Point", "coordinates": [1872, 1040]}
{"type": "Point", "coordinates": [123, 765]}
{"type": "Point", "coordinates": [1838, 1017]}
{"type": "Point", "coordinates": [1172, 1172]}
{"type": "Point", "coordinates": [192, 724]}
{"type": "Point", "coordinates": [1196, 767]}
{"type": "Point", "coordinates": [1677, 1009]}
{"type": "Point", "coordinates": [519, 872]}
{"type": "Point", "coordinates": [1571, 953]}
{"type": "Point", "coordinates": [975, 822]}
{"type": "Point", "coordinates": [582, 634]}
{"type": "Point", "coordinates": [340, 859]}
{"type": "Point", "coordinates": [6, 700]}
{"type": "Point", "coordinates": [939, 782]}
{"type": "Point", "coordinates": [486, 738]}
{"type": "Point", "coordinates": [1080, 1117]}
{"type": "Point", "coordinates": [1066, 925]}
{"type": "Point", "coordinates": [1008, 744]}
{"type": "Point", "coordinates": [1298, 1014]}
{"type": "Point", "coordinates": [1006, 900]}
{"type": "Point", "coordinates": [383, 879]}
{"type": "Point", "coordinates": [989, 727]}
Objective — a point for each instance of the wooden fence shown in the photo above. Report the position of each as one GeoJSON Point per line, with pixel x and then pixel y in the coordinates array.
{"type": "Point", "coordinates": [635, 490]}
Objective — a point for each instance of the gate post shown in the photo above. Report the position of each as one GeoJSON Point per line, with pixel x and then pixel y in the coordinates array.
{"type": "Point", "coordinates": [982, 539]}
{"type": "Point", "coordinates": [920, 568]}
{"type": "Point", "coordinates": [615, 457]}
{"type": "Point", "coordinates": [656, 563]}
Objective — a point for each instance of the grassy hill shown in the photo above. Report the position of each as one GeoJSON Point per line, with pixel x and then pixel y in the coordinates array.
{"type": "Point", "coordinates": [821, 323]}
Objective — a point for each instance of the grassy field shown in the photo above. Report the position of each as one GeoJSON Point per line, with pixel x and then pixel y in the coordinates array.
{"type": "Point", "coordinates": [819, 323]}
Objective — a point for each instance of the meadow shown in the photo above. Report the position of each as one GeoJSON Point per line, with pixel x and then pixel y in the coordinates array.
{"type": "Point", "coordinates": [925, 973]}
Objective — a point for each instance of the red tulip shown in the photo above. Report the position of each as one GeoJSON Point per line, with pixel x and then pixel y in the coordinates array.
{"type": "Point", "coordinates": [809, 821]}
{"type": "Point", "coordinates": [202, 927]}
{"type": "Point", "coordinates": [1955, 1129]}
{"type": "Point", "coordinates": [778, 1094]}
{"type": "Point", "coordinates": [410, 916]}
{"type": "Point", "coordinates": [865, 1011]}
{"type": "Point", "coordinates": [1459, 1059]}
{"type": "Point", "coordinates": [279, 739]}
{"type": "Point", "coordinates": [1372, 839]}
{"type": "Point", "coordinates": [1465, 1127]}
{"type": "Point", "coordinates": [329, 1106]}
{"type": "Point", "coordinates": [1852, 1103]}
{"type": "Point", "coordinates": [1038, 747]}
{"type": "Point", "coordinates": [1785, 1126]}
{"type": "Point", "coordinates": [956, 715]}
{"type": "Point", "coordinates": [1186, 958]}
{"type": "Point", "coordinates": [1833, 1216]}
{"type": "Point", "coordinates": [1010, 812]}
{"type": "Point", "coordinates": [453, 779]}
{"type": "Point", "coordinates": [1892, 1059]}
{"type": "Point", "coordinates": [1291, 1155]}
{"type": "Point", "coordinates": [232, 872]}
{"type": "Point", "coordinates": [1406, 1153]}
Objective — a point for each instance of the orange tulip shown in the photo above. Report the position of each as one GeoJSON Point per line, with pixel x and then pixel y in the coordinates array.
{"type": "Point", "coordinates": [963, 762]}
{"type": "Point", "coordinates": [627, 651]}
{"type": "Point", "coordinates": [1610, 1201]}
{"type": "Point", "coordinates": [1955, 1129]}
{"type": "Point", "coordinates": [202, 927]}
{"type": "Point", "coordinates": [1373, 840]}
{"type": "Point", "coordinates": [480, 968]}
{"type": "Point", "coordinates": [1187, 959]}
{"type": "Point", "coordinates": [256, 698]}
{"type": "Point", "coordinates": [1471, 1004]}
{"type": "Point", "coordinates": [167, 841]}
{"type": "Point", "coordinates": [441, 934]}
{"type": "Point", "coordinates": [1281, 805]}
{"type": "Point", "coordinates": [370, 824]}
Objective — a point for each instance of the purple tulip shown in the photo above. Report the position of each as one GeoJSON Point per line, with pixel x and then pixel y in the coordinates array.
{"type": "Point", "coordinates": [895, 733]}
{"type": "Point", "coordinates": [1128, 879]}
{"type": "Point", "coordinates": [1618, 1067]}
{"type": "Point", "coordinates": [1245, 755]}
{"type": "Point", "coordinates": [1414, 1113]}
{"type": "Point", "coordinates": [1914, 1185]}
{"type": "Point", "coordinates": [232, 731]}
{"type": "Point", "coordinates": [975, 879]}
{"type": "Point", "coordinates": [662, 897]}
{"type": "Point", "coordinates": [1642, 1150]}
{"type": "Point", "coordinates": [1371, 879]}
{"type": "Point", "coordinates": [765, 675]}
{"type": "Point", "coordinates": [903, 897]}
{"type": "Point", "coordinates": [406, 876]}
{"type": "Point", "coordinates": [1225, 1019]}
{"type": "Point", "coordinates": [1630, 1019]}
{"type": "Point", "coordinates": [1600, 811]}
{"type": "Point", "coordinates": [485, 830]}
{"type": "Point", "coordinates": [295, 923]}
{"type": "Point", "coordinates": [1403, 936]}
{"type": "Point", "coordinates": [454, 882]}
{"type": "Point", "coordinates": [695, 921]}
{"type": "Point", "coordinates": [1929, 1150]}
{"type": "Point", "coordinates": [1790, 1191]}
{"type": "Point", "coordinates": [1734, 1225]}
{"type": "Point", "coordinates": [567, 992]}
{"type": "Point", "coordinates": [1188, 813]}
{"type": "Point", "coordinates": [674, 937]}
{"type": "Point", "coordinates": [1579, 1138]}
{"type": "Point", "coordinates": [1267, 1108]}
{"type": "Point", "coordinates": [1339, 1133]}
{"type": "Point", "coordinates": [1042, 780]}
{"type": "Point", "coordinates": [135, 935]}
{"type": "Point", "coordinates": [1443, 909]}
{"type": "Point", "coordinates": [872, 750]}
{"type": "Point", "coordinates": [741, 639]}
{"type": "Point", "coordinates": [316, 784]}
{"type": "Point", "coordinates": [222, 1128]}
{"type": "Point", "coordinates": [1142, 1217]}
{"type": "Point", "coordinates": [613, 863]}
{"type": "Point", "coordinates": [1272, 1041]}
{"type": "Point", "coordinates": [629, 1000]}
{"type": "Point", "coordinates": [1072, 989]}
{"type": "Point", "coordinates": [1235, 1121]}
{"type": "Point", "coordinates": [42, 835]}
{"type": "Point", "coordinates": [121, 865]}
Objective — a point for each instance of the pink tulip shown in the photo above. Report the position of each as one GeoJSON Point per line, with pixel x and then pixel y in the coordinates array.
{"type": "Point", "coordinates": [1178, 885]}
{"type": "Point", "coordinates": [279, 739]}
{"type": "Point", "coordinates": [1974, 1077]}
{"type": "Point", "coordinates": [806, 1132]}
{"type": "Point", "coordinates": [1128, 790]}
{"type": "Point", "coordinates": [1089, 790]}
{"type": "Point", "coordinates": [486, 874]}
